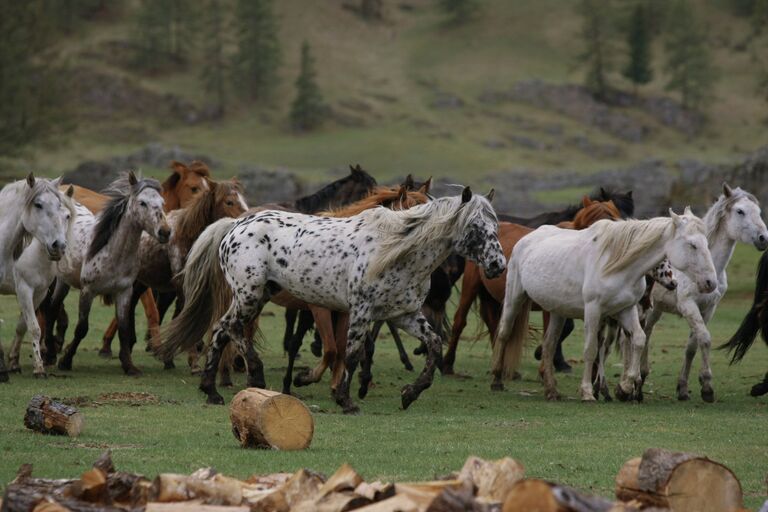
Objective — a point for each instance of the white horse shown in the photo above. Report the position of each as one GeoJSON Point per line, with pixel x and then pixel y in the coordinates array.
{"type": "Point", "coordinates": [35, 219]}
{"type": "Point", "coordinates": [104, 260]}
{"type": "Point", "coordinates": [734, 217]}
{"type": "Point", "coordinates": [376, 265]}
{"type": "Point", "coordinates": [593, 274]}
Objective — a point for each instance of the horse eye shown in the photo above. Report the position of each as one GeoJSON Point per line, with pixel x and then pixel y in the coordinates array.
{"type": "Point", "coordinates": [740, 212]}
{"type": "Point", "coordinates": [142, 203]}
{"type": "Point", "coordinates": [38, 206]}
{"type": "Point", "coordinates": [230, 203]}
{"type": "Point", "coordinates": [693, 246]}
{"type": "Point", "coordinates": [194, 190]}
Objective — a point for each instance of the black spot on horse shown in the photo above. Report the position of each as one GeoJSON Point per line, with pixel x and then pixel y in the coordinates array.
{"type": "Point", "coordinates": [282, 262]}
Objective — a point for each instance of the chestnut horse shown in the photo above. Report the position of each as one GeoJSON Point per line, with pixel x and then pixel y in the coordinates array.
{"type": "Point", "coordinates": [491, 291]}
{"type": "Point", "coordinates": [178, 191]}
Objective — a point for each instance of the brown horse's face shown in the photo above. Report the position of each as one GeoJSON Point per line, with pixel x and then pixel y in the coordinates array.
{"type": "Point", "coordinates": [594, 211]}
{"type": "Point", "coordinates": [189, 187]}
{"type": "Point", "coordinates": [229, 201]}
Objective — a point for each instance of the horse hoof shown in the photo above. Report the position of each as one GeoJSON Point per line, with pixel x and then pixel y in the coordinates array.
{"type": "Point", "coordinates": [301, 379]}
{"type": "Point", "coordinates": [15, 369]}
{"type": "Point", "coordinates": [238, 364]}
{"type": "Point", "coordinates": [132, 371]}
{"type": "Point", "coordinates": [229, 384]}
{"type": "Point", "coordinates": [408, 366]}
{"type": "Point", "coordinates": [65, 365]}
{"type": "Point", "coordinates": [215, 399]}
{"type": "Point", "coordinates": [563, 367]}
{"type": "Point", "coordinates": [552, 396]}
{"type": "Point", "coordinates": [40, 375]}
{"type": "Point", "coordinates": [708, 395]}
{"type": "Point", "coordinates": [4, 377]}
{"type": "Point", "coordinates": [105, 353]}
{"type": "Point", "coordinates": [537, 353]}
{"type": "Point", "coordinates": [622, 395]}
{"type": "Point", "coordinates": [588, 397]}
{"type": "Point", "coordinates": [420, 350]}
{"type": "Point", "coordinates": [759, 389]}
{"type": "Point", "coordinates": [607, 397]}
{"type": "Point", "coordinates": [148, 348]}
{"type": "Point", "coordinates": [317, 349]}
{"type": "Point", "coordinates": [639, 395]}
{"type": "Point", "coordinates": [408, 396]}
{"type": "Point", "coordinates": [497, 386]}
{"type": "Point", "coordinates": [169, 365]}
{"type": "Point", "coordinates": [195, 370]}
{"type": "Point", "coordinates": [362, 392]}
{"type": "Point", "coordinates": [351, 409]}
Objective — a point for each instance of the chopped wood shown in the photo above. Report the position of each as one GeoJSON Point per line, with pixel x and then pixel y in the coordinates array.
{"type": "Point", "coordinates": [267, 419]}
{"type": "Point", "coordinates": [458, 500]}
{"type": "Point", "coordinates": [397, 503]}
{"type": "Point", "coordinates": [375, 491]}
{"type": "Point", "coordinates": [49, 506]}
{"type": "Point", "coordinates": [344, 479]}
{"type": "Point", "coordinates": [541, 496]}
{"type": "Point", "coordinates": [679, 481]}
{"type": "Point", "coordinates": [192, 506]}
{"type": "Point", "coordinates": [50, 417]}
{"type": "Point", "coordinates": [493, 479]}
{"type": "Point", "coordinates": [169, 487]}
{"type": "Point", "coordinates": [304, 485]}
{"type": "Point", "coordinates": [92, 486]}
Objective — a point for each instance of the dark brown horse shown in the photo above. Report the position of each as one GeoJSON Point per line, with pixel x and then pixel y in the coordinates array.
{"type": "Point", "coordinates": [491, 291]}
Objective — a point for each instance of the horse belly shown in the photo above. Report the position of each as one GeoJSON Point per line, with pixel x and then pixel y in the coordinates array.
{"type": "Point", "coordinates": [555, 283]}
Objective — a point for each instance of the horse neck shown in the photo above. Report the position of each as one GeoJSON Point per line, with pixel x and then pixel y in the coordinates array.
{"type": "Point", "coordinates": [721, 246]}
{"type": "Point", "coordinates": [11, 227]}
{"type": "Point", "coordinates": [171, 200]}
{"type": "Point", "coordinates": [125, 239]}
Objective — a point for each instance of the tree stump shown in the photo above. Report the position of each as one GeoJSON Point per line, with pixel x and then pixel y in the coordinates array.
{"type": "Point", "coordinates": [679, 481]}
{"type": "Point", "coordinates": [50, 417]}
{"type": "Point", "coordinates": [268, 419]}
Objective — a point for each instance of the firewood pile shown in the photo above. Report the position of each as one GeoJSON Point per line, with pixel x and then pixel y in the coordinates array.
{"type": "Point", "coordinates": [659, 480]}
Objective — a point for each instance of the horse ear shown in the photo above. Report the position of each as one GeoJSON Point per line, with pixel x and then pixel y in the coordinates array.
{"type": "Point", "coordinates": [727, 190]}
{"type": "Point", "coordinates": [355, 169]}
{"type": "Point", "coordinates": [688, 211]}
{"type": "Point", "coordinates": [31, 180]}
{"type": "Point", "coordinates": [675, 218]}
{"type": "Point", "coordinates": [132, 178]}
{"type": "Point", "coordinates": [70, 191]}
{"type": "Point", "coordinates": [402, 193]}
{"type": "Point", "coordinates": [466, 195]}
{"type": "Point", "coordinates": [629, 194]}
{"type": "Point", "coordinates": [178, 167]}
{"type": "Point", "coordinates": [424, 188]}
{"type": "Point", "coordinates": [586, 201]}
{"type": "Point", "coordinates": [603, 194]}
{"type": "Point", "coordinates": [490, 195]}
{"type": "Point", "coordinates": [56, 182]}
{"type": "Point", "coordinates": [408, 183]}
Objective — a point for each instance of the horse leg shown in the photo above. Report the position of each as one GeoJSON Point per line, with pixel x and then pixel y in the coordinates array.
{"type": "Point", "coordinates": [341, 333]}
{"type": "Point", "coordinates": [290, 324]}
{"type": "Point", "coordinates": [400, 348]}
{"type": "Point", "coordinates": [592, 325]}
{"type": "Point", "coordinates": [555, 325]}
{"type": "Point", "coordinates": [53, 310]}
{"type": "Point", "coordinates": [631, 381]}
{"type": "Point", "coordinates": [323, 319]}
{"type": "Point", "coordinates": [294, 344]}
{"type": "Point", "coordinates": [611, 333]}
{"type": "Point", "coordinates": [13, 357]}
{"type": "Point", "coordinates": [366, 376]}
{"type": "Point", "coordinates": [358, 329]}
{"type": "Point", "coordinates": [470, 288]}
{"type": "Point", "coordinates": [417, 326]}
{"type": "Point", "coordinates": [81, 330]}
{"type": "Point", "coordinates": [3, 369]}
{"type": "Point", "coordinates": [106, 340]}
{"type": "Point", "coordinates": [561, 365]}
{"type": "Point", "coordinates": [152, 314]}
{"type": "Point", "coordinates": [125, 306]}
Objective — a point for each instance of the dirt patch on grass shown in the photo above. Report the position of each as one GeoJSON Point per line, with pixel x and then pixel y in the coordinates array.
{"type": "Point", "coordinates": [130, 398]}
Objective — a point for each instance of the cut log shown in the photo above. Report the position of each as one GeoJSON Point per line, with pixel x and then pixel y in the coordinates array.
{"type": "Point", "coordinates": [344, 479]}
{"type": "Point", "coordinates": [679, 481]}
{"type": "Point", "coordinates": [493, 479]}
{"type": "Point", "coordinates": [268, 419]}
{"type": "Point", "coordinates": [50, 417]}
{"type": "Point", "coordinates": [191, 506]}
{"type": "Point", "coordinates": [304, 485]}
{"type": "Point", "coordinates": [397, 503]}
{"type": "Point", "coordinates": [533, 495]}
{"type": "Point", "coordinates": [219, 490]}
{"type": "Point", "coordinates": [92, 486]}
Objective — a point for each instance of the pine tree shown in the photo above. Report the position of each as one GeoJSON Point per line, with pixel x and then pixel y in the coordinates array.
{"type": "Point", "coordinates": [459, 11]}
{"type": "Point", "coordinates": [213, 72]}
{"type": "Point", "coordinates": [689, 62]}
{"type": "Point", "coordinates": [162, 33]}
{"type": "Point", "coordinates": [638, 69]}
{"type": "Point", "coordinates": [258, 56]}
{"type": "Point", "coordinates": [308, 109]}
{"type": "Point", "coordinates": [32, 89]}
{"type": "Point", "coordinates": [759, 16]}
{"type": "Point", "coordinates": [597, 33]}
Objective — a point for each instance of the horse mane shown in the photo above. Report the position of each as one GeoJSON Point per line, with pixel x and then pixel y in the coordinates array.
{"type": "Point", "coordinates": [717, 212]}
{"type": "Point", "coordinates": [596, 211]}
{"type": "Point", "coordinates": [321, 200]}
{"type": "Point", "coordinates": [625, 242]}
{"type": "Point", "coordinates": [195, 218]}
{"type": "Point", "coordinates": [378, 197]}
{"type": "Point", "coordinates": [623, 200]}
{"type": "Point", "coordinates": [119, 192]}
{"type": "Point", "coordinates": [403, 232]}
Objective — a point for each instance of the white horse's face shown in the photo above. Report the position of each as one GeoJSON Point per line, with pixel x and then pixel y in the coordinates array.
{"type": "Point", "coordinates": [688, 251]}
{"type": "Point", "coordinates": [743, 223]}
{"type": "Point", "coordinates": [480, 241]}
{"type": "Point", "coordinates": [47, 218]}
{"type": "Point", "coordinates": [147, 206]}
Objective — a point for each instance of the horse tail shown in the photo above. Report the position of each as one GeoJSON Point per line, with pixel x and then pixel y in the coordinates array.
{"type": "Point", "coordinates": [757, 316]}
{"type": "Point", "coordinates": [205, 288]}
{"type": "Point", "coordinates": [513, 327]}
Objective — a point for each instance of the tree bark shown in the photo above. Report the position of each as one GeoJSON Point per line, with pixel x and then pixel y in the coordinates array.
{"type": "Point", "coordinates": [50, 417]}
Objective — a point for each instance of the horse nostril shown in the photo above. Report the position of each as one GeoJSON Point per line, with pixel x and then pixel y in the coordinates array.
{"type": "Point", "coordinates": [55, 244]}
{"type": "Point", "coordinates": [761, 238]}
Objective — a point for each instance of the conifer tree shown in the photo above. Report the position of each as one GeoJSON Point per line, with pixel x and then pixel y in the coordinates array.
{"type": "Point", "coordinates": [596, 33]}
{"type": "Point", "coordinates": [638, 69]}
{"type": "Point", "coordinates": [308, 109]}
{"type": "Point", "coordinates": [213, 71]}
{"type": "Point", "coordinates": [459, 11]}
{"type": "Point", "coordinates": [258, 55]}
{"type": "Point", "coordinates": [688, 60]}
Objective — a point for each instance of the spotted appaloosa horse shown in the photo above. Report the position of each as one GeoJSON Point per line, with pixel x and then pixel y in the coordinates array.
{"type": "Point", "coordinates": [375, 265]}
{"type": "Point", "coordinates": [103, 260]}
{"type": "Point", "coordinates": [35, 230]}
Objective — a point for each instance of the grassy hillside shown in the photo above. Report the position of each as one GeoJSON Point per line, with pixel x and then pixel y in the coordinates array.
{"type": "Point", "coordinates": [382, 80]}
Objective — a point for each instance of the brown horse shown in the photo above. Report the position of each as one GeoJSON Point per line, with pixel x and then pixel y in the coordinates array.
{"type": "Point", "coordinates": [491, 291]}
{"type": "Point", "coordinates": [185, 183]}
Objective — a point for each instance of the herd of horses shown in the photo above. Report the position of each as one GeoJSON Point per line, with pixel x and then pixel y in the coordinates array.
{"type": "Point", "coordinates": [355, 256]}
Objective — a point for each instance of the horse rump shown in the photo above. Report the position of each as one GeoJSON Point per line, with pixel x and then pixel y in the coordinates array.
{"type": "Point", "coordinates": [755, 320]}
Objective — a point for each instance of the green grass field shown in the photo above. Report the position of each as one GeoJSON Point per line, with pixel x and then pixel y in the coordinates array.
{"type": "Point", "coordinates": [578, 444]}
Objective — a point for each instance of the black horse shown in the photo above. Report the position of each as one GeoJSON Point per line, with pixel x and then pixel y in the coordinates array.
{"type": "Point", "coordinates": [756, 320]}
{"type": "Point", "coordinates": [626, 206]}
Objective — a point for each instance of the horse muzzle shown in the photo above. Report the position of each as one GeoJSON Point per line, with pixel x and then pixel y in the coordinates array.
{"type": "Point", "coordinates": [671, 286]}
{"type": "Point", "coordinates": [56, 250]}
{"type": "Point", "coordinates": [494, 269]}
{"type": "Point", "coordinates": [761, 243]}
{"type": "Point", "coordinates": [707, 286]}
{"type": "Point", "coordinates": [163, 235]}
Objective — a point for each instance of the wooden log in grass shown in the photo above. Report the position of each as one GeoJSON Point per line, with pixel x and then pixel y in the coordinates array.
{"type": "Point", "coordinates": [679, 481]}
{"type": "Point", "coordinates": [48, 416]}
{"type": "Point", "coordinates": [267, 419]}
